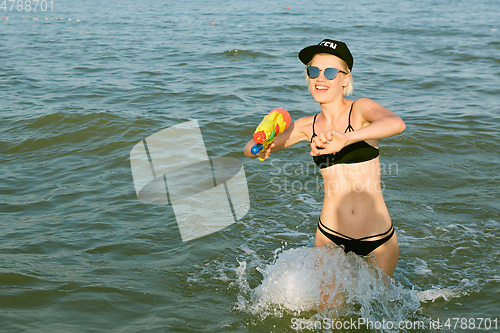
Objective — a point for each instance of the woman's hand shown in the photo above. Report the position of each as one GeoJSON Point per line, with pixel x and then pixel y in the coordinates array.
{"type": "Point", "coordinates": [264, 153]}
{"type": "Point", "coordinates": [331, 142]}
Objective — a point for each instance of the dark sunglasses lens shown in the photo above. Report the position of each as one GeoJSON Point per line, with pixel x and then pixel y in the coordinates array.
{"type": "Point", "coordinates": [312, 72]}
{"type": "Point", "coordinates": [331, 73]}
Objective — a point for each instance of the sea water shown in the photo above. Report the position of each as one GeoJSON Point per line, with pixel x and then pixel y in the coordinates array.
{"type": "Point", "coordinates": [82, 84]}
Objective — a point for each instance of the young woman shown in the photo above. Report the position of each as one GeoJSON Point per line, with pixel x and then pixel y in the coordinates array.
{"type": "Point", "coordinates": [344, 144]}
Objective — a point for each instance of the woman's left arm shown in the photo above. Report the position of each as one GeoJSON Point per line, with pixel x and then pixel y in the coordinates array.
{"type": "Point", "coordinates": [380, 122]}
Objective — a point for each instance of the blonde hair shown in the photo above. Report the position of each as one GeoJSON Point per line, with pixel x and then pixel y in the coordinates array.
{"type": "Point", "coordinates": [346, 90]}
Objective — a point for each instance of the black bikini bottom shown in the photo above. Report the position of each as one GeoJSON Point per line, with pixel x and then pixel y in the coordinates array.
{"type": "Point", "coordinates": [360, 246]}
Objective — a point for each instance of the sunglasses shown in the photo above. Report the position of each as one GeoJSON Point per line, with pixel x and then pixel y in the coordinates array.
{"type": "Point", "coordinates": [329, 73]}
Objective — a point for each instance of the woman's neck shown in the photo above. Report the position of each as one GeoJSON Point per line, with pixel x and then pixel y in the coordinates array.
{"type": "Point", "coordinates": [334, 110]}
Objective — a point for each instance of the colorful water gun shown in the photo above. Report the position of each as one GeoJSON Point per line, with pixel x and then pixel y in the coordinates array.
{"type": "Point", "coordinates": [269, 128]}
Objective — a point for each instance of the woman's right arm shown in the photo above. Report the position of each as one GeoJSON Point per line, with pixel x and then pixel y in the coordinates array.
{"type": "Point", "coordinates": [292, 135]}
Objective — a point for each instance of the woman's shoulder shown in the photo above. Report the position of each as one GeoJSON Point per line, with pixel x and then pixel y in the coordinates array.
{"type": "Point", "coordinates": [364, 103]}
{"type": "Point", "coordinates": [302, 128]}
{"type": "Point", "coordinates": [368, 110]}
{"type": "Point", "coordinates": [305, 121]}
{"type": "Point", "coordinates": [367, 104]}
{"type": "Point", "coordinates": [305, 124]}
{"type": "Point", "coordinates": [363, 107]}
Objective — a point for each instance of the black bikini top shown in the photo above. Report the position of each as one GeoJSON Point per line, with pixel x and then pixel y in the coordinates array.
{"type": "Point", "coordinates": [354, 153]}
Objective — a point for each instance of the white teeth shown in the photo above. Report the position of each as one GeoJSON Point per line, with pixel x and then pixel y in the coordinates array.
{"type": "Point", "coordinates": [321, 87]}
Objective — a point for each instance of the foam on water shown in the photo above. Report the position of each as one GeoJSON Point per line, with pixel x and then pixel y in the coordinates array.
{"type": "Point", "coordinates": [326, 282]}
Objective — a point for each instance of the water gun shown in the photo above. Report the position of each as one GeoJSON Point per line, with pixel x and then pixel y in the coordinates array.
{"type": "Point", "coordinates": [269, 128]}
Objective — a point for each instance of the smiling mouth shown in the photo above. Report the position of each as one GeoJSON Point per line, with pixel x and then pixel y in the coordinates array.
{"type": "Point", "coordinates": [321, 88]}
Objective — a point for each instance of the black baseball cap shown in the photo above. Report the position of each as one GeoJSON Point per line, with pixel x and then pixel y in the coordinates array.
{"type": "Point", "coordinates": [336, 48]}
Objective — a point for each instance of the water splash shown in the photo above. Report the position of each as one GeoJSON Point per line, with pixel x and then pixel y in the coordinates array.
{"type": "Point", "coordinates": [326, 283]}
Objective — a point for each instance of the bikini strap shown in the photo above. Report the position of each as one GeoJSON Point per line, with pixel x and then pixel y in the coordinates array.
{"type": "Point", "coordinates": [335, 232]}
{"type": "Point", "coordinates": [349, 127]}
{"type": "Point", "coordinates": [391, 230]}
{"type": "Point", "coordinates": [314, 122]}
